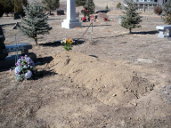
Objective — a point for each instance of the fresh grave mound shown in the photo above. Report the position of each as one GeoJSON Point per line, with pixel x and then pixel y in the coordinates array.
{"type": "Point", "coordinates": [113, 83]}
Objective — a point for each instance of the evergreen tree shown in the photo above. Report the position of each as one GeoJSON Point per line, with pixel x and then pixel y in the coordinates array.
{"type": "Point", "coordinates": [119, 6]}
{"type": "Point", "coordinates": [90, 6]}
{"type": "Point", "coordinates": [51, 4]}
{"type": "Point", "coordinates": [107, 7]}
{"type": "Point", "coordinates": [131, 19]}
{"type": "Point", "coordinates": [80, 2]}
{"type": "Point", "coordinates": [158, 10]}
{"type": "Point", "coordinates": [167, 12]}
{"type": "Point", "coordinates": [35, 21]}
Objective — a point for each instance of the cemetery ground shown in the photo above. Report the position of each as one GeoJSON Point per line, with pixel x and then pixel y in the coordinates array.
{"type": "Point", "coordinates": [119, 80]}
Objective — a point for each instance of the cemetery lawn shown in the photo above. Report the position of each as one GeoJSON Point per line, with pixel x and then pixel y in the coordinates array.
{"type": "Point", "coordinates": [120, 81]}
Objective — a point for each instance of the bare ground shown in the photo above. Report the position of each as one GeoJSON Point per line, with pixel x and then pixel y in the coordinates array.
{"type": "Point", "coordinates": [57, 99]}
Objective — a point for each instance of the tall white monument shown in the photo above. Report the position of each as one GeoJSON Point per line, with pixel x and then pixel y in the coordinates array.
{"type": "Point", "coordinates": [71, 21]}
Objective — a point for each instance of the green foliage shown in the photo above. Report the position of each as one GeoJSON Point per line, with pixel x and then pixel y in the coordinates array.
{"type": "Point", "coordinates": [15, 6]}
{"type": "Point", "coordinates": [119, 6]}
{"type": "Point", "coordinates": [107, 7]}
{"type": "Point", "coordinates": [67, 47]}
{"type": "Point", "coordinates": [8, 6]}
{"type": "Point", "coordinates": [131, 19]}
{"type": "Point", "coordinates": [51, 4]}
{"type": "Point", "coordinates": [35, 21]}
{"type": "Point", "coordinates": [80, 2]}
{"type": "Point", "coordinates": [167, 12]}
{"type": "Point", "coordinates": [18, 6]}
{"type": "Point", "coordinates": [158, 10]}
{"type": "Point", "coordinates": [90, 6]}
{"type": "Point", "coordinates": [67, 43]}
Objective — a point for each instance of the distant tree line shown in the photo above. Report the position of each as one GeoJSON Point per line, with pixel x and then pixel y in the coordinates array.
{"type": "Point", "coordinates": [87, 4]}
{"type": "Point", "coordinates": [7, 6]}
{"type": "Point", "coordinates": [16, 6]}
{"type": "Point", "coordinates": [12, 6]}
{"type": "Point", "coordinates": [80, 2]}
{"type": "Point", "coordinates": [51, 5]}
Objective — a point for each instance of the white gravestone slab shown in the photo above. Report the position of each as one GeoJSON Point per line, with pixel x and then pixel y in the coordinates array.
{"type": "Point", "coordinates": [71, 21]}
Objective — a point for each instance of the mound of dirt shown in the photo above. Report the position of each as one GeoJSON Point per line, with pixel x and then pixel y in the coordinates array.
{"type": "Point", "coordinates": [113, 83]}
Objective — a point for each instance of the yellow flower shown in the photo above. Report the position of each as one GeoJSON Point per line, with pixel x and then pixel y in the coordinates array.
{"type": "Point", "coordinates": [69, 41]}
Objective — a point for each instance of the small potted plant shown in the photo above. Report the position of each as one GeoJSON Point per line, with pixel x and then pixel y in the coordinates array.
{"type": "Point", "coordinates": [24, 68]}
{"type": "Point", "coordinates": [67, 43]}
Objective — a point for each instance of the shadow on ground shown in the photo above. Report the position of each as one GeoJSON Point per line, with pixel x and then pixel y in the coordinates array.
{"type": "Point", "coordinates": [97, 25]}
{"type": "Point", "coordinates": [78, 41]}
{"type": "Point", "coordinates": [145, 32]}
{"type": "Point", "coordinates": [44, 60]}
{"type": "Point", "coordinates": [51, 44]}
{"type": "Point", "coordinates": [43, 73]}
{"type": "Point", "coordinates": [10, 64]}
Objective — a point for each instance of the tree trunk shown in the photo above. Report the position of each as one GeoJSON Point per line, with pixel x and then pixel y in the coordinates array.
{"type": "Point", "coordinates": [36, 40]}
{"type": "Point", "coordinates": [130, 30]}
{"type": "Point", "coordinates": [50, 12]}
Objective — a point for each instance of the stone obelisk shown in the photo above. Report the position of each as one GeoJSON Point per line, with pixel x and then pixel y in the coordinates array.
{"type": "Point", "coordinates": [71, 21]}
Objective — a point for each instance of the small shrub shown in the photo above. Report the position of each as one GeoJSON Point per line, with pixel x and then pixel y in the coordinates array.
{"type": "Point", "coordinates": [35, 22]}
{"type": "Point", "coordinates": [158, 10]}
{"type": "Point", "coordinates": [167, 12]}
{"type": "Point", "coordinates": [107, 7]}
{"type": "Point", "coordinates": [90, 6]}
{"type": "Point", "coordinates": [85, 12]}
{"type": "Point", "coordinates": [119, 6]}
{"type": "Point", "coordinates": [131, 18]}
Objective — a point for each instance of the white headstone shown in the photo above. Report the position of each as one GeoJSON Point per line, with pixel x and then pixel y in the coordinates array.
{"type": "Point", "coordinates": [71, 21]}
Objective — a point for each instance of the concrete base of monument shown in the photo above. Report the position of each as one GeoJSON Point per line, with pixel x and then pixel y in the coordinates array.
{"type": "Point", "coordinates": [70, 24]}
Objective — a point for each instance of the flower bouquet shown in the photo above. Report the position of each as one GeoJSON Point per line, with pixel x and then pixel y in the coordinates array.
{"type": "Point", "coordinates": [67, 43]}
{"type": "Point", "coordinates": [24, 68]}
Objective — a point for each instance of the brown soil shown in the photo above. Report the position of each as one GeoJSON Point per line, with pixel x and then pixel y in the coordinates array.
{"type": "Point", "coordinates": [121, 81]}
{"type": "Point", "coordinates": [113, 83]}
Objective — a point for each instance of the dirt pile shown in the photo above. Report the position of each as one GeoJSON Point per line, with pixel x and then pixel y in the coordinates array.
{"type": "Point", "coordinates": [113, 83]}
